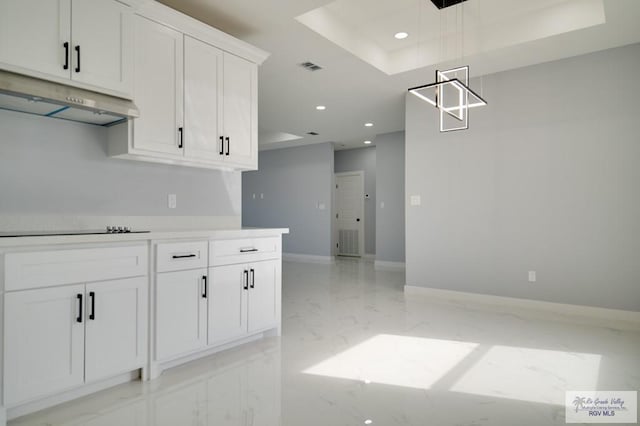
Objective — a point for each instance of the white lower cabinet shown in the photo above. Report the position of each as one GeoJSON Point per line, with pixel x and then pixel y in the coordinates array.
{"type": "Point", "coordinates": [44, 342]}
{"type": "Point", "coordinates": [59, 338]}
{"type": "Point", "coordinates": [181, 306]}
{"type": "Point", "coordinates": [116, 327]}
{"type": "Point", "coordinates": [243, 300]}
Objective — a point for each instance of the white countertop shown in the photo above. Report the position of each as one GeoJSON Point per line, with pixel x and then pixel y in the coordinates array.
{"type": "Point", "coordinates": [157, 235]}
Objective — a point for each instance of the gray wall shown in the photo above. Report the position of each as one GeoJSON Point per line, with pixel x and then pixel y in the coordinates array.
{"type": "Point", "coordinates": [390, 225]}
{"type": "Point", "coordinates": [546, 179]}
{"type": "Point", "coordinates": [364, 159]}
{"type": "Point", "coordinates": [52, 166]}
{"type": "Point", "coordinates": [294, 182]}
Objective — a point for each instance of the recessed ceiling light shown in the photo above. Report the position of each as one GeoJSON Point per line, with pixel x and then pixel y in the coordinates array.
{"type": "Point", "coordinates": [367, 142]}
{"type": "Point", "coordinates": [321, 107]}
{"type": "Point", "coordinates": [368, 124]}
{"type": "Point", "coordinates": [401, 35]}
{"type": "Point", "coordinates": [368, 422]}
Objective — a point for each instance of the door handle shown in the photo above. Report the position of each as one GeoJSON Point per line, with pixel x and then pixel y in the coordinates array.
{"type": "Point", "coordinates": [66, 55]}
{"type": "Point", "coordinates": [79, 318]}
{"type": "Point", "coordinates": [204, 279]}
{"type": "Point", "coordinates": [253, 278]}
{"type": "Point", "coordinates": [92, 295]}
{"type": "Point", "coordinates": [180, 134]}
{"type": "Point", "coordinates": [78, 58]}
{"type": "Point", "coordinates": [246, 279]}
{"type": "Point", "coordinates": [228, 144]}
{"type": "Point", "coordinates": [221, 145]}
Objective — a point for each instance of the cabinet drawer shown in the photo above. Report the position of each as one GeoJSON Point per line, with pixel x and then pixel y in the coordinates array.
{"type": "Point", "coordinates": [181, 256]}
{"type": "Point", "coordinates": [27, 270]}
{"type": "Point", "coordinates": [225, 252]}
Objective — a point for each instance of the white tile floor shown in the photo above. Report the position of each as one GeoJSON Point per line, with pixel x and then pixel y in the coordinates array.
{"type": "Point", "coordinates": [356, 350]}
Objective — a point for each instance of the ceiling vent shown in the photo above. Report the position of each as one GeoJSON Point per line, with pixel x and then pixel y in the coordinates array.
{"type": "Point", "coordinates": [310, 66]}
{"type": "Point", "coordinates": [441, 4]}
{"type": "Point", "coordinates": [313, 133]}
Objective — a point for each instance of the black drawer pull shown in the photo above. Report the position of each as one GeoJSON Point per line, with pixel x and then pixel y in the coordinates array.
{"type": "Point", "coordinates": [92, 295]}
{"type": "Point", "coordinates": [221, 145]}
{"type": "Point", "coordinates": [181, 136]}
{"type": "Point", "coordinates": [248, 250]}
{"type": "Point", "coordinates": [79, 318]}
{"type": "Point", "coordinates": [253, 278]}
{"type": "Point", "coordinates": [246, 279]}
{"type": "Point", "coordinates": [228, 144]}
{"type": "Point", "coordinates": [183, 256]}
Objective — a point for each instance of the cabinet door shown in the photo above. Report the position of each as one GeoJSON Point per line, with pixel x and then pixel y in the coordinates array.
{"type": "Point", "coordinates": [116, 327]}
{"type": "Point", "coordinates": [228, 303]}
{"type": "Point", "coordinates": [240, 111]}
{"type": "Point", "coordinates": [33, 33]}
{"type": "Point", "coordinates": [103, 31]}
{"type": "Point", "coordinates": [44, 342]}
{"type": "Point", "coordinates": [181, 312]}
{"type": "Point", "coordinates": [158, 88]}
{"type": "Point", "coordinates": [202, 100]}
{"type": "Point", "coordinates": [263, 293]}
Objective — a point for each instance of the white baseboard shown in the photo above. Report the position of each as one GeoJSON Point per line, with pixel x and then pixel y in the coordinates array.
{"type": "Point", "coordinates": [591, 315]}
{"type": "Point", "coordinates": [369, 256]}
{"type": "Point", "coordinates": [307, 258]}
{"type": "Point", "coordinates": [391, 266]}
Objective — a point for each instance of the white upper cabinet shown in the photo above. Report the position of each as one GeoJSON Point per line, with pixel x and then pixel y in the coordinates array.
{"type": "Point", "coordinates": [79, 42]}
{"type": "Point", "coordinates": [240, 112]}
{"type": "Point", "coordinates": [102, 50]}
{"type": "Point", "coordinates": [36, 35]}
{"type": "Point", "coordinates": [202, 100]}
{"type": "Point", "coordinates": [158, 88]}
{"type": "Point", "coordinates": [196, 89]}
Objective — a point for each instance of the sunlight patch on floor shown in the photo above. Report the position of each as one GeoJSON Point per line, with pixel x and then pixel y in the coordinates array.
{"type": "Point", "coordinates": [413, 362]}
{"type": "Point", "coordinates": [533, 375]}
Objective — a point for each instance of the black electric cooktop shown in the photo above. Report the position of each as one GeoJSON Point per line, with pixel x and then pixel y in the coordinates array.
{"type": "Point", "coordinates": [76, 232]}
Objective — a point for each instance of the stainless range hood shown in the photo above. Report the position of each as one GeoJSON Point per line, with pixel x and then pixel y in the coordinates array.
{"type": "Point", "coordinates": [32, 95]}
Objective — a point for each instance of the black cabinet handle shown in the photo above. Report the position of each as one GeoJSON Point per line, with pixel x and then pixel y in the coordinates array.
{"type": "Point", "coordinates": [253, 278]}
{"type": "Point", "coordinates": [246, 279]}
{"type": "Point", "coordinates": [78, 57]}
{"type": "Point", "coordinates": [204, 279]}
{"type": "Point", "coordinates": [181, 134]}
{"type": "Point", "coordinates": [66, 55]}
{"type": "Point", "coordinates": [79, 318]}
{"type": "Point", "coordinates": [183, 256]}
{"type": "Point", "coordinates": [221, 145]}
{"type": "Point", "coordinates": [228, 143]}
{"type": "Point", "coordinates": [92, 295]}
{"type": "Point", "coordinates": [248, 250]}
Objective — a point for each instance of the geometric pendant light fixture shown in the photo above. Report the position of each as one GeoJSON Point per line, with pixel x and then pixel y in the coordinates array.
{"type": "Point", "coordinates": [450, 93]}
{"type": "Point", "coordinates": [453, 98]}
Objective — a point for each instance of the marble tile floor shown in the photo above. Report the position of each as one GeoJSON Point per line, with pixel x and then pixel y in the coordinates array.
{"type": "Point", "coordinates": [355, 350]}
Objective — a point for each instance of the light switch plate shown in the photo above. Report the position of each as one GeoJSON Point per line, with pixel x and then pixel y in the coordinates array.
{"type": "Point", "coordinates": [415, 200]}
{"type": "Point", "coordinates": [172, 201]}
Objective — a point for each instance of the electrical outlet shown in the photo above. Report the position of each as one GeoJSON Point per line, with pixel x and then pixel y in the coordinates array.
{"type": "Point", "coordinates": [532, 276]}
{"type": "Point", "coordinates": [172, 201]}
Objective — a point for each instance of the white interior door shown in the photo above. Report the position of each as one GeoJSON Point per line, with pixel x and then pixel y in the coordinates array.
{"type": "Point", "coordinates": [44, 342]}
{"type": "Point", "coordinates": [350, 213]}
{"type": "Point", "coordinates": [116, 327]}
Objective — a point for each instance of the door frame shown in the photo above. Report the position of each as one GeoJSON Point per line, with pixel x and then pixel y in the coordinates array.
{"type": "Point", "coordinates": [361, 239]}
